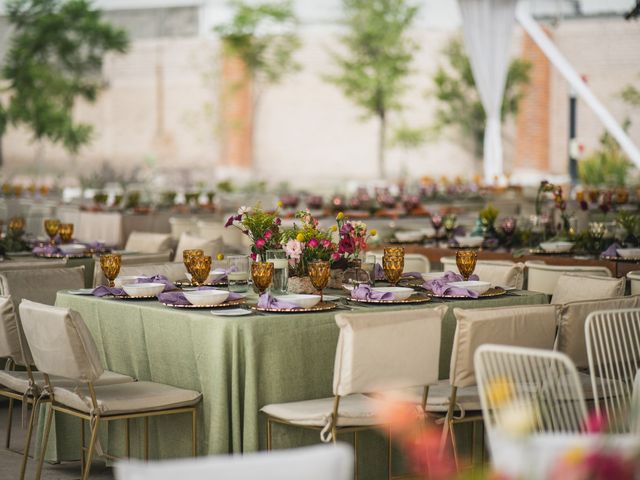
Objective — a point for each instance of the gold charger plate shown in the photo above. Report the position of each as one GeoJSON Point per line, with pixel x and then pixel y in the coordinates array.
{"type": "Point", "coordinates": [228, 303]}
{"type": "Point", "coordinates": [492, 292]}
{"type": "Point", "coordinates": [540, 251]}
{"type": "Point", "coordinates": [416, 298]}
{"type": "Point", "coordinates": [129, 297]}
{"type": "Point", "coordinates": [620, 259]}
{"type": "Point", "coordinates": [64, 255]}
{"type": "Point", "coordinates": [319, 307]}
{"type": "Point", "coordinates": [182, 284]}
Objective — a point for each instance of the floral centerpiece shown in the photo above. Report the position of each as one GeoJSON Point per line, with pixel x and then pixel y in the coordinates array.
{"type": "Point", "coordinates": [262, 227]}
{"type": "Point", "coordinates": [353, 237]}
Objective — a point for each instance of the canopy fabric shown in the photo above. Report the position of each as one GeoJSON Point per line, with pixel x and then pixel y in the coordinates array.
{"type": "Point", "coordinates": [487, 27]}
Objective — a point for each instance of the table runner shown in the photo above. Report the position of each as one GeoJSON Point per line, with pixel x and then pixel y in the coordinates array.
{"type": "Point", "coordinates": [239, 363]}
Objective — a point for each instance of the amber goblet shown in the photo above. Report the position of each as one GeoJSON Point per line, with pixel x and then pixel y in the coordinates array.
{"type": "Point", "coordinates": [188, 255]}
{"type": "Point", "coordinates": [110, 264]}
{"type": "Point", "coordinates": [262, 275]}
{"type": "Point", "coordinates": [52, 227]}
{"type": "Point", "coordinates": [17, 224]}
{"type": "Point", "coordinates": [66, 232]}
{"type": "Point", "coordinates": [393, 268]}
{"type": "Point", "coordinates": [394, 252]}
{"type": "Point", "coordinates": [200, 269]}
{"type": "Point", "coordinates": [319, 272]}
{"type": "Point", "coordinates": [466, 262]}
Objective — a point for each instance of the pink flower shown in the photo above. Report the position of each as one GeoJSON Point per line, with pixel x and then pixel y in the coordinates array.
{"type": "Point", "coordinates": [267, 235]}
{"type": "Point", "coordinates": [335, 256]}
{"type": "Point", "coordinates": [260, 243]}
{"type": "Point", "coordinates": [293, 249]}
{"type": "Point", "coordinates": [313, 243]}
{"type": "Point", "coordinates": [253, 256]}
{"type": "Point", "coordinates": [326, 243]}
{"type": "Point", "coordinates": [278, 221]}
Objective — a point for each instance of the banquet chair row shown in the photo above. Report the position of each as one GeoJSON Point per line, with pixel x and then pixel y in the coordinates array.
{"type": "Point", "coordinates": [413, 262]}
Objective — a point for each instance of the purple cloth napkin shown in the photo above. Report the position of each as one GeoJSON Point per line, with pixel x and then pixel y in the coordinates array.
{"type": "Point", "coordinates": [440, 286]}
{"type": "Point", "coordinates": [168, 285]}
{"type": "Point", "coordinates": [266, 300]}
{"type": "Point", "coordinates": [612, 251]}
{"type": "Point", "coordinates": [103, 291]}
{"type": "Point", "coordinates": [178, 298]}
{"type": "Point", "coordinates": [95, 246]}
{"type": "Point", "coordinates": [46, 250]}
{"type": "Point", "coordinates": [365, 292]}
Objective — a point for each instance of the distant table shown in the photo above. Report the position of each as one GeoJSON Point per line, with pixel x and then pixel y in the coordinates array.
{"type": "Point", "coordinates": [239, 364]}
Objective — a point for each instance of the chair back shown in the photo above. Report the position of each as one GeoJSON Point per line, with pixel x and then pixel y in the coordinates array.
{"type": "Point", "coordinates": [571, 324]}
{"type": "Point", "coordinates": [524, 326]}
{"type": "Point", "coordinates": [320, 462]}
{"type": "Point", "coordinates": [40, 285]}
{"type": "Point", "coordinates": [10, 334]}
{"type": "Point", "coordinates": [613, 349]}
{"type": "Point", "coordinates": [174, 271]}
{"type": "Point", "coordinates": [131, 260]}
{"type": "Point", "coordinates": [32, 263]}
{"type": "Point", "coordinates": [148, 242]}
{"type": "Point", "coordinates": [379, 352]}
{"type": "Point", "coordinates": [188, 242]}
{"type": "Point", "coordinates": [180, 225]}
{"type": "Point", "coordinates": [60, 342]}
{"type": "Point", "coordinates": [502, 273]}
{"type": "Point", "coordinates": [543, 278]}
{"type": "Point", "coordinates": [539, 389]}
{"type": "Point", "coordinates": [413, 262]}
{"type": "Point", "coordinates": [634, 280]}
{"type": "Point", "coordinates": [575, 288]}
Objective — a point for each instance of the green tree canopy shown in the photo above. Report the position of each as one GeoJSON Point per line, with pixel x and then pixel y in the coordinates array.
{"type": "Point", "coordinates": [55, 56]}
{"type": "Point", "coordinates": [377, 59]}
{"type": "Point", "coordinates": [459, 102]}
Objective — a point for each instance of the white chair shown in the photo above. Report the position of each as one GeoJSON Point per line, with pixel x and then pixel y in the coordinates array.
{"type": "Point", "coordinates": [613, 349]}
{"type": "Point", "coordinates": [543, 278]}
{"type": "Point", "coordinates": [62, 345]}
{"type": "Point", "coordinates": [174, 271]}
{"type": "Point", "coordinates": [413, 262]}
{"type": "Point", "coordinates": [502, 273]}
{"type": "Point", "coordinates": [148, 242]}
{"type": "Point", "coordinates": [188, 242]}
{"type": "Point", "coordinates": [320, 462]}
{"type": "Point", "coordinates": [573, 287]}
{"type": "Point", "coordinates": [232, 238]}
{"type": "Point", "coordinates": [26, 385]}
{"type": "Point", "coordinates": [131, 260]}
{"type": "Point", "coordinates": [525, 326]}
{"type": "Point", "coordinates": [180, 225]}
{"type": "Point", "coordinates": [408, 358]}
{"type": "Point", "coordinates": [634, 280]}
{"type": "Point", "coordinates": [40, 285]}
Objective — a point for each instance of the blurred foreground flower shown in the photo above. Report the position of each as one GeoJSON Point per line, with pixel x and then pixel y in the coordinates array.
{"type": "Point", "coordinates": [599, 464]}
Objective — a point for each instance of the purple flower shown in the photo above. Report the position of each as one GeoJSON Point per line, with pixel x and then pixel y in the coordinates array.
{"type": "Point", "coordinates": [278, 221]}
{"type": "Point", "coordinates": [229, 221]}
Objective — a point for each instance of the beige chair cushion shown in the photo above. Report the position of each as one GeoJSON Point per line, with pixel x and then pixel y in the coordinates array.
{"type": "Point", "coordinates": [127, 398]}
{"type": "Point", "coordinates": [467, 398]}
{"type": "Point", "coordinates": [502, 273]}
{"type": "Point", "coordinates": [575, 288]}
{"type": "Point", "coordinates": [378, 351]}
{"type": "Point", "coordinates": [148, 242]}
{"type": "Point", "coordinates": [131, 260]}
{"type": "Point", "coordinates": [60, 342]}
{"type": "Point", "coordinates": [174, 271]}
{"type": "Point", "coordinates": [19, 381]}
{"type": "Point", "coordinates": [353, 410]}
{"type": "Point", "coordinates": [188, 242]}
{"type": "Point", "coordinates": [9, 335]}
{"type": "Point", "coordinates": [32, 263]}
{"type": "Point", "coordinates": [524, 326]}
{"type": "Point", "coordinates": [634, 280]}
{"type": "Point", "coordinates": [571, 324]}
{"type": "Point", "coordinates": [40, 285]}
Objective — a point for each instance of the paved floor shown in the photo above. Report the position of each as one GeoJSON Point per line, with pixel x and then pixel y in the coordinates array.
{"type": "Point", "coordinates": [10, 461]}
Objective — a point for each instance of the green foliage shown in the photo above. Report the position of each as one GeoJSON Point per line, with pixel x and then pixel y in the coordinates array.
{"type": "Point", "coordinates": [13, 242]}
{"type": "Point", "coordinates": [459, 101]}
{"type": "Point", "coordinates": [631, 95]}
{"type": "Point", "coordinates": [629, 221]}
{"type": "Point", "coordinates": [607, 165]}
{"type": "Point", "coordinates": [489, 214]}
{"type": "Point", "coordinates": [408, 137]}
{"type": "Point", "coordinates": [55, 56]}
{"type": "Point", "coordinates": [255, 35]}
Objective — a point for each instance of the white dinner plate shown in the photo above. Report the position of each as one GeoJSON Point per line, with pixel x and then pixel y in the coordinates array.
{"type": "Point", "coordinates": [331, 298]}
{"type": "Point", "coordinates": [232, 312]}
{"type": "Point", "coordinates": [81, 291]}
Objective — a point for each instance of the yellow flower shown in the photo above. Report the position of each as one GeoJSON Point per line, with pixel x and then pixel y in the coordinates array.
{"type": "Point", "coordinates": [300, 237]}
{"type": "Point", "coordinates": [220, 256]}
{"type": "Point", "coordinates": [373, 232]}
{"type": "Point", "coordinates": [340, 216]}
{"type": "Point", "coordinates": [280, 204]}
{"type": "Point", "coordinates": [334, 228]}
{"type": "Point", "coordinates": [574, 456]}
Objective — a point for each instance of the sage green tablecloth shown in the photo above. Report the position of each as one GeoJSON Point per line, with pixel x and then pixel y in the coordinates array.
{"type": "Point", "coordinates": [239, 364]}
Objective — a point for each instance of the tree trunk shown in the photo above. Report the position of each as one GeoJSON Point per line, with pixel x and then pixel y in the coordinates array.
{"type": "Point", "coordinates": [382, 143]}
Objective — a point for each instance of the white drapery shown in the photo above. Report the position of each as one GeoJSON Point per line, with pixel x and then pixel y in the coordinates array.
{"type": "Point", "coordinates": [487, 27]}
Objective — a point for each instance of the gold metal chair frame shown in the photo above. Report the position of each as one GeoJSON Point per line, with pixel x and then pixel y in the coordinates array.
{"type": "Point", "coordinates": [336, 430]}
{"type": "Point", "coordinates": [94, 423]}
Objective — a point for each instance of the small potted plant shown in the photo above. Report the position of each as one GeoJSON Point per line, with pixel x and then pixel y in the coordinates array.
{"type": "Point", "coordinates": [262, 228]}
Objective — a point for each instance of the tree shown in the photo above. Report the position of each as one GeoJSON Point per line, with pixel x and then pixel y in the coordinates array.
{"type": "Point", "coordinates": [263, 37]}
{"type": "Point", "coordinates": [377, 61]}
{"type": "Point", "coordinates": [55, 57]}
{"type": "Point", "coordinates": [459, 102]}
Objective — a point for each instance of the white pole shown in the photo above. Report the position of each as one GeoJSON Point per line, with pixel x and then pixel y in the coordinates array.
{"type": "Point", "coordinates": [568, 72]}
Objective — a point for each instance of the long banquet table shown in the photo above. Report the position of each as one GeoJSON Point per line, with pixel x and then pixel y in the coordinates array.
{"type": "Point", "coordinates": [239, 364]}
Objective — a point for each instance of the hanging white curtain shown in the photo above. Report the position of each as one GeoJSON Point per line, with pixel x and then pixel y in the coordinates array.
{"type": "Point", "coordinates": [487, 26]}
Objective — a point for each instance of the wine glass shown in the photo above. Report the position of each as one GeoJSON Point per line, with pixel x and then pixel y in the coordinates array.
{"type": "Point", "coordinates": [466, 262]}
{"type": "Point", "coordinates": [66, 232]}
{"type": "Point", "coordinates": [393, 264]}
{"type": "Point", "coordinates": [319, 272]}
{"type": "Point", "coordinates": [262, 274]}
{"type": "Point", "coordinates": [16, 225]}
{"type": "Point", "coordinates": [189, 255]}
{"type": "Point", "coordinates": [508, 226]}
{"type": "Point", "coordinates": [436, 223]}
{"type": "Point", "coordinates": [110, 264]}
{"type": "Point", "coordinates": [200, 269]}
{"type": "Point", "coordinates": [52, 227]}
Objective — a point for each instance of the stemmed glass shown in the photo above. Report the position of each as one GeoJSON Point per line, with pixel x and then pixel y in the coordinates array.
{"type": "Point", "coordinates": [66, 232]}
{"type": "Point", "coordinates": [466, 262]}
{"type": "Point", "coordinates": [262, 274]}
{"type": "Point", "coordinates": [200, 269]}
{"type": "Point", "coordinates": [52, 227]}
{"type": "Point", "coordinates": [110, 264]}
{"type": "Point", "coordinates": [16, 225]}
{"type": "Point", "coordinates": [393, 264]}
{"type": "Point", "coordinates": [596, 234]}
{"type": "Point", "coordinates": [450, 222]}
{"type": "Point", "coordinates": [508, 227]}
{"type": "Point", "coordinates": [188, 256]}
{"type": "Point", "coordinates": [436, 223]}
{"type": "Point", "coordinates": [319, 272]}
